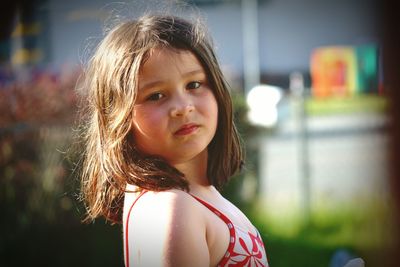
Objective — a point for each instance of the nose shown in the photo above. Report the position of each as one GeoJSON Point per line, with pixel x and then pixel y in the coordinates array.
{"type": "Point", "coordinates": [181, 106]}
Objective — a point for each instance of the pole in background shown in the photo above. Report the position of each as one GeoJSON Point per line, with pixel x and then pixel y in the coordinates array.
{"type": "Point", "coordinates": [251, 64]}
{"type": "Point", "coordinates": [298, 91]}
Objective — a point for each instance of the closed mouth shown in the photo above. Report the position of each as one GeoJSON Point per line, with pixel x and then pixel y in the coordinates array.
{"type": "Point", "coordinates": [187, 129]}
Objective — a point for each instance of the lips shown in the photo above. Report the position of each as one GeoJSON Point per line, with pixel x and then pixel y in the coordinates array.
{"type": "Point", "coordinates": [187, 129]}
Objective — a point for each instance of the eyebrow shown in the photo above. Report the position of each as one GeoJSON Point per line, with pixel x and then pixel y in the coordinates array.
{"type": "Point", "coordinates": [157, 82]}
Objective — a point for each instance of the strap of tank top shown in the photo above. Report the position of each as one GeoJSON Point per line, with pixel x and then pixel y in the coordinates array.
{"type": "Point", "coordinates": [127, 228]}
{"type": "Point", "coordinates": [228, 222]}
{"type": "Point", "coordinates": [213, 209]}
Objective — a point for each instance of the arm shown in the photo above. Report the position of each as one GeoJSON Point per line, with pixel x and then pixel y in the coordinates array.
{"type": "Point", "coordinates": [167, 229]}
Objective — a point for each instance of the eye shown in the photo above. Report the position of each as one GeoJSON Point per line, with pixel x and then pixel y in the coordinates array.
{"type": "Point", "coordinates": [155, 97]}
{"type": "Point", "coordinates": [193, 85]}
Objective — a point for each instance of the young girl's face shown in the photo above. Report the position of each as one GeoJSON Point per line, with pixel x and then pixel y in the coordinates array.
{"type": "Point", "coordinates": [176, 113]}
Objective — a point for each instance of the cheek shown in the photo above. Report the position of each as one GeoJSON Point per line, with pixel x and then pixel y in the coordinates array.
{"type": "Point", "coordinates": [148, 115]}
{"type": "Point", "coordinates": [210, 112]}
{"type": "Point", "coordinates": [144, 121]}
{"type": "Point", "coordinates": [212, 108]}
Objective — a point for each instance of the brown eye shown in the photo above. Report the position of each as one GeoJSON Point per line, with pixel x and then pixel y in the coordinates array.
{"type": "Point", "coordinates": [154, 97]}
{"type": "Point", "coordinates": [193, 85]}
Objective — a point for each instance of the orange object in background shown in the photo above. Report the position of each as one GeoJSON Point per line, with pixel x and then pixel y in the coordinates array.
{"type": "Point", "coordinates": [333, 71]}
{"type": "Point", "coordinates": [345, 71]}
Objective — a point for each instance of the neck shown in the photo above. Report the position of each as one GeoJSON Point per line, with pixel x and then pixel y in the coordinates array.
{"type": "Point", "coordinates": [195, 170]}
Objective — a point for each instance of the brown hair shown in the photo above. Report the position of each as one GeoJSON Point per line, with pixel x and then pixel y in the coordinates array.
{"type": "Point", "coordinates": [111, 159]}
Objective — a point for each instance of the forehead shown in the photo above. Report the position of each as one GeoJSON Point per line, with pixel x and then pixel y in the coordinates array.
{"type": "Point", "coordinates": [164, 60]}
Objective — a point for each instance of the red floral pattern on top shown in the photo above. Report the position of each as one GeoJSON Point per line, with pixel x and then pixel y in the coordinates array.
{"type": "Point", "coordinates": [245, 249]}
{"type": "Point", "coordinates": [245, 255]}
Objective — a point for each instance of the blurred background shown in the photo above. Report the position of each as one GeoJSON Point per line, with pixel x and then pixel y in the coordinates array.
{"type": "Point", "coordinates": [312, 83]}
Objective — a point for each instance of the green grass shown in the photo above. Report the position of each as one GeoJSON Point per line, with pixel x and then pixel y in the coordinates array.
{"type": "Point", "coordinates": [289, 241]}
{"type": "Point", "coordinates": [346, 105]}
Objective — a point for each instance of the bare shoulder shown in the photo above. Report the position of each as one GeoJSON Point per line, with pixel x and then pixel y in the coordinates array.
{"type": "Point", "coordinates": [176, 201]}
{"type": "Point", "coordinates": [167, 208]}
{"type": "Point", "coordinates": [166, 227]}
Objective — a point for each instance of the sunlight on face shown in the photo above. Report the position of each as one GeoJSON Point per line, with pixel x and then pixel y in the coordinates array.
{"type": "Point", "coordinates": [175, 115]}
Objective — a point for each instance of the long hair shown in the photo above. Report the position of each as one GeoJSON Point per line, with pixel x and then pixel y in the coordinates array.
{"type": "Point", "coordinates": [111, 159]}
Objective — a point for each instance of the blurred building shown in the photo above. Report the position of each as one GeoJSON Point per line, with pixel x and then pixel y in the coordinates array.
{"type": "Point", "coordinates": [59, 32]}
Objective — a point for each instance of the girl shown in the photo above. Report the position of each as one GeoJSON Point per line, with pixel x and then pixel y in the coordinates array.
{"type": "Point", "coordinates": [160, 141]}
